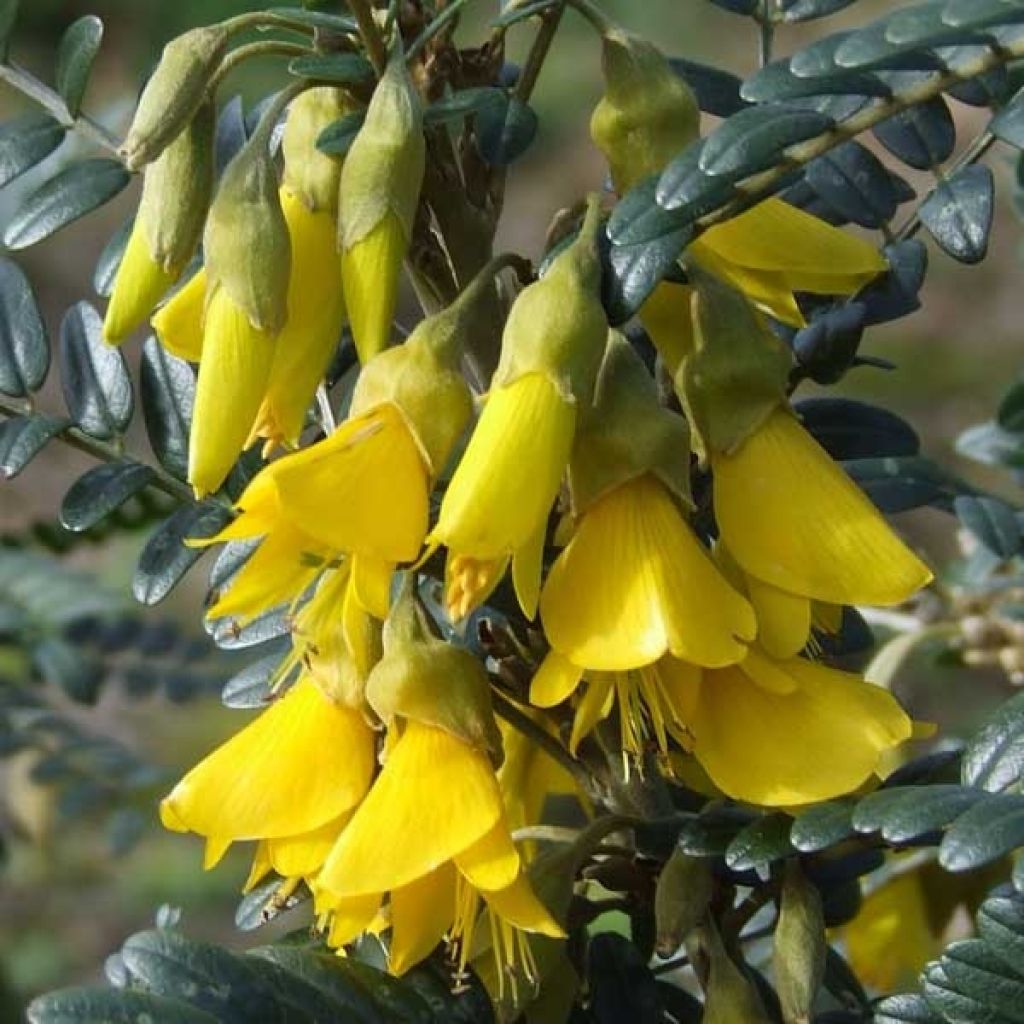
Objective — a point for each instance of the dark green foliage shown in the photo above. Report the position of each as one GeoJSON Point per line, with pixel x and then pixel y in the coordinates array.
{"type": "Point", "coordinates": [505, 130]}
{"type": "Point", "coordinates": [337, 68]}
{"type": "Point", "coordinates": [75, 55]}
{"type": "Point", "coordinates": [26, 141]}
{"type": "Point", "coordinates": [24, 347]}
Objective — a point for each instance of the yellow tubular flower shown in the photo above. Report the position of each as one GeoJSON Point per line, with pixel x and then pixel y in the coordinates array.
{"type": "Point", "coordinates": [140, 284]}
{"type": "Point", "coordinates": [782, 733]}
{"type": "Point", "coordinates": [301, 764]}
{"type": "Point", "coordinates": [796, 524]}
{"type": "Point", "coordinates": [179, 321]}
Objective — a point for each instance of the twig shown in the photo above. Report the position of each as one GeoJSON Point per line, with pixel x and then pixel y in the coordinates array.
{"type": "Point", "coordinates": [766, 40]}
{"type": "Point", "coordinates": [434, 27]}
{"type": "Point", "coordinates": [264, 48]}
{"type": "Point", "coordinates": [375, 49]}
{"type": "Point", "coordinates": [30, 86]}
{"type": "Point", "coordinates": [539, 52]}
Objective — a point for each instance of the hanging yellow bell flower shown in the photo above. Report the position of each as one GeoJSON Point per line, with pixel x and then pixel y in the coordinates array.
{"type": "Point", "coordinates": [316, 308]}
{"type": "Point", "coordinates": [634, 582]}
{"type": "Point", "coordinates": [435, 699]}
{"type": "Point", "coordinates": [248, 263]}
{"type": "Point", "coordinates": [497, 504]}
{"type": "Point", "coordinates": [380, 188]}
{"type": "Point", "coordinates": [176, 192]}
{"type": "Point", "coordinates": [178, 323]}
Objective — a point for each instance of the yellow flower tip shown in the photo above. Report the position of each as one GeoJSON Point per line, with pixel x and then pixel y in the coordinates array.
{"type": "Point", "coordinates": [371, 271]}
{"type": "Point", "coordinates": [815, 533]}
{"type": "Point", "coordinates": [555, 680]}
{"type": "Point", "coordinates": [139, 285]}
{"type": "Point", "coordinates": [469, 582]}
{"type": "Point", "coordinates": [179, 322]}
{"type": "Point", "coordinates": [233, 375]}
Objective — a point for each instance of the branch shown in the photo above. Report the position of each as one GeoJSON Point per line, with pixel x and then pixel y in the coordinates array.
{"type": "Point", "coordinates": [538, 52]}
{"type": "Point", "coordinates": [375, 49]}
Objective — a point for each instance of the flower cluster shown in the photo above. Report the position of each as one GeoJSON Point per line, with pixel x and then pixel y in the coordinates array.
{"type": "Point", "coordinates": [379, 778]}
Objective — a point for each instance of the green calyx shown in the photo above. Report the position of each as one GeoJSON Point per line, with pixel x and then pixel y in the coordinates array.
{"type": "Point", "coordinates": [800, 944]}
{"type": "Point", "coordinates": [311, 175]}
{"type": "Point", "coordinates": [681, 899]}
{"type": "Point", "coordinates": [627, 433]}
{"type": "Point", "coordinates": [426, 680]}
{"type": "Point", "coordinates": [174, 93]}
{"type": "Point", "coordinates": [383, 170]}
{"type": "Point", "coordinates": [557, 325]}
{"type": "Point", "coordinates": [246, 244]}
{"type": "Point", "coordinates": [738, 371]}
{"type": "Point", "coordinates": [647, 115]}
{"type": "Point", "coordinates": [176, 192]}
{"type": "Point", "coordinates": [730, 996]}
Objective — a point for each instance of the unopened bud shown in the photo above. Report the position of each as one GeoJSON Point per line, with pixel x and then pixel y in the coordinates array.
{"type": "Point", "coordinates": [681, 899]}
{"type": "Point", "coordinates": [174, 93]}
{"type": "Point", "coordinates": [730, 995]}
{"type": "Point", "coordinates": [737, 375]}
{"type": "Point", "coordinates": [800, 944]}
{"type": "Point", "coordinates": [309, 174]}
{"type": "Point", "coordinates": [647, 115]}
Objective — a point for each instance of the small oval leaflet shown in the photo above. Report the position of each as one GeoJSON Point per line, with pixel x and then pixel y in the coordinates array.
{"type": "Point", "coordinates": [74, 192]}
{"type": "Point", "coordinates": [337, 137]}
{"type": "Point", "coordinates": [959, 212]}
{"type": "Point", "coordinates": [808, 10]}
{"type": "Point", "coordinates": [24, 142]}
{"type": "Point", "coordinates": [922, 137]}
{"type": "Point", "coordinates": [22, 438]}
{"type": "Point", "coordinates": [505, 131]}
{"type": "Point", "coordinates": [24, 346]}
{"type": "Point", "coordinates": [991, 521]}
{"type": "Point", "coordinates": [341, 68]}
{"type": "Point", "coordinates": [93, 496]}
{"type": "Point", "coordinates": [462, 104]}
{"type": "Point", "coordinates": [94, 375]}
{"type": "Point", "coordinates": [167, 386]}
{"type": "Point", "coordinates": [994, 759]}
{"type": "Point", "coordinates": [75, 55]}
{"type": "Point", "coordinates": [717, 91]}
{"type": "Point", "coordinates": [853, 181]}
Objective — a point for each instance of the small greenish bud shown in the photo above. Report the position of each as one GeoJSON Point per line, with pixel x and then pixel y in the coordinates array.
{"type": "Point", "coordinates": [176, 193]}
{"type": "Point", "coordinates": [647, 115]}
{"type": "Point", "coordinates": [798, 956]}
{"type": "Point", "coordinates": [383, 170]}
{"type": "Point", "coordinates": [557, 325]}
{"type": "Point", "coordinates": [627, 433]}
{"type": "Point", "coordinates": [426, 680]}
{"type": "Point", "coordinates": [174, 93]}
{"type": "Point", "coordinates": [730, 996]}
{"type": "Point", "coordinates": [737, 374]}
{"type": "Point", "coordinates": [681, 899]}
{"type": "Point", "coordinates": [247, 247]}
{"type": "Point", "coordinates": [309, 174]}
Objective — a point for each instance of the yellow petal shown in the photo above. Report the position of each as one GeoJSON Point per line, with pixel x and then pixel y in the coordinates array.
{"type": "Point", "coordinates": [376, 852]}
{"type": "Point", "coordinates": [783, 619]}
{"type": "Point", "coordinates": [316, 312]}
{"type": "Point", "coordinates": [556, 678]}
{"type": "Point", "coordinates": [364, 489]}
{"type": "Point", "coordinates": [303, 855]}
{"type": "Point", "coordinates": [492, 862]}
{"type": "Point", "coordinates": [139, 285]}
{"type": "Point", "coordinates": [634, 582]}
{"type": "Point", "coordinates": [505, 484]}
{"type": "Point", "coordinates": [371, 270]}
{"type": "Point", "coordinates": [519, 906]}
{"type": "Point", "coordinates": [595, 706]}
{"type": "Point", "coordinates": [351, 917]}
{"type": "Point", "coordinates": [301, 763]}
{"type": "Point", "coordinates": [819, 741]}
{"type": "Point", "coordinates": [179, 321]}
{"type": "Point", "coordinates": [232, 380]}
{"type": "Point", "coordinates": [768, 289]}
{"type": "Point", "coordinates": [527, 565]}
{"type": "Point", "coordinates": [214, 852]}
{"type": "Point", "coordinates": [371, 582]}
{"type": "Point", "coordinates": [260, 868]}
{"type": "Point", "coordinates": [792, 518]}
{"type": "Point", "coordinates": [421, 914]}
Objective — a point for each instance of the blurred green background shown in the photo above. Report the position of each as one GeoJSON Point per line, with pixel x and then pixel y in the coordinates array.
{"type": "Point", "coordinates": [65, 904]}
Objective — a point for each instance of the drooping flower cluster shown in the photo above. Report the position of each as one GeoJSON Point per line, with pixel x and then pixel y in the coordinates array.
{"type": "Point", "coordinates": [378, 778]}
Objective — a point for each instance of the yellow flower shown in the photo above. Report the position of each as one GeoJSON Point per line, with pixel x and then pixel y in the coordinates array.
{"type": "Point", "coordinates": [179, 321]}
{"type": "Point", "coordinates": [783, 733]}
{"type": "Point", "coordinates": [301, 764]}
{"type": "Point", "coordinates": [497, 503]}
{"type": "Point", "coordinates": [802, 531]}
{"type": "Point", "coordinates": [140, 284]}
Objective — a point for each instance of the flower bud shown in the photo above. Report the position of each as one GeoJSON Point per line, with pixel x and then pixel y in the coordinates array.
{"type": "Point", "coordinates": [174, 93]}
{"type": "Point", "coordinates": [627, 433]}
{"type": "Point", "coordinates": [312, 176]}
{"type": "Point", "coordinates": [557, 326]}
{"type": "Point", "coordinates": [176, 191]}
{"type": "Point", "coordinates": [681, 898]}
{"type": "Point", "coordinates": [647, 115]}
{"type": "Point", "coordinates": [730, 995]}
{"type": "Point", "coordinates": [425, 680]}
{"type": "Point", "coordinates": [737, 375]}
{"type": "Point", "coordinates": [179, 321]}
{"type": "Point", "coordinates": [380, 189]}
{"type": "Point", "coordinates": [799, 949]}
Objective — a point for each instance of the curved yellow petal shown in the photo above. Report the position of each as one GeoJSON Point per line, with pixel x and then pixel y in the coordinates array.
{"type": "Point", "coordinates": [139, 285]}
{"type": "Point", "coordinates": [554, 681]}
{"type": "Point", "coordinates": [213, 852]}
{"type": "Point", "coordinates": [421, 914]}
{"type": "Point", "coordinates": [377, 851]}
{"type": "Point", "coordinates": [595, 706]}
{"type": "Point", "coordinates": [351, 917]}
{"type": "Point", "coordinates": [233, 375]}
{"type": "Point", "coordinates": [364, 489]}
{"type": "Point", "coordinates": [371, 584]}
{"type": "Point", "coordinates": [819, 741]}
{"type": "Point", "coordinates": [508, 478]}
{"type": "Point", "coordinates": [791, 517]}
{"type": "Point", "coordinates": [301, 856]}
{"type": "Point", "coordinates": [301, 763]}
{"type": "Point", "coordinates": [527, 566]}
{"type": "Point", "coordinates": [783, 619]}
{"type": "Point", "coordinates": [179, 321]}
{"type": "Point", "coordinates": [260, 868]}
{"type": "Point", "coordinates": [518, 905]}
{"type": "Point", "coordinates": [634, 582]}
{"type": "Point", "coordinates": [492, 862]}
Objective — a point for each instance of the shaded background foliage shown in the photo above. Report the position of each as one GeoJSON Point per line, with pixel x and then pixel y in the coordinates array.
{"type": "Point", "coordinates": [67, 901]}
